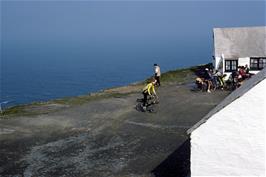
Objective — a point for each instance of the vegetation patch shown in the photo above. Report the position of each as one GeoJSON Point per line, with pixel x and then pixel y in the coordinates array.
{"type": "Point", "coordinates": [180, 75]}
{"type": "Point", "coordinates": [25, 110]}
{"type": "Point", "coordinates": [13, 111]}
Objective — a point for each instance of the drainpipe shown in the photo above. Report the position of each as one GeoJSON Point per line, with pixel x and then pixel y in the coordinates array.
{"type": "Point", "coordinates": [222, 57]}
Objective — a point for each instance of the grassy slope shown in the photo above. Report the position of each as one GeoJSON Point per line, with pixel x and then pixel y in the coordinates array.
{"type": "Point", "coordinates": [36, 108]}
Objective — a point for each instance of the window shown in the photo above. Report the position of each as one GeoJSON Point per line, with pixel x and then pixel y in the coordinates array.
{"type": "Point", "coordinates": [257, 63]}
{"type": "Point", "coordinates": [231, 65]}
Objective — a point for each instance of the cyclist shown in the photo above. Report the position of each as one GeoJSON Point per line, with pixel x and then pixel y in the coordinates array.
{"type": "Point", "coordinates": [148, 90]}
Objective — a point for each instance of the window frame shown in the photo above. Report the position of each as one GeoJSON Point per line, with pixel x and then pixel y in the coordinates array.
{"type": "Point", "coordinates": [230, 65]}
{"type": "Point", "coordinates": [258, 67]}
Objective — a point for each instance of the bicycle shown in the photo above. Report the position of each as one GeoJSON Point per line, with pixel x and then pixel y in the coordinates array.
{"type": "Point", "coordinates": [151, 106]}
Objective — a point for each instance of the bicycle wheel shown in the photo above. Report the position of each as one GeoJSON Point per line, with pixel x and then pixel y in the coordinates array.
{"type": "Point", "coordinates": [153, 108]}
{"type": "Point", "coordinates": [139, 107]}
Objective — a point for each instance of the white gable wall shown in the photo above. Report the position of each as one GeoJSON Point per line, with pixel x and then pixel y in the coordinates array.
{"type": "Point", "coordinates": [232, 141]}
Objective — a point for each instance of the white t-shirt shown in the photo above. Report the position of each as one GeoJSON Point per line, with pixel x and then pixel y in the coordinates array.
{"type": "Point", "coordinates": [157, 70]}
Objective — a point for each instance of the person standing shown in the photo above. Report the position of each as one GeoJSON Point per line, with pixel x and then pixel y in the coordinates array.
{"type": "Point", "coordinates": [157, 74]}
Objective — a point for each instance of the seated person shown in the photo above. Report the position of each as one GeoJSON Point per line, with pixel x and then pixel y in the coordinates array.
{"type": "Point", "coordinates": [248, 74]}
{"type": "Point", "coordinates": [246, 69]}
{"type": "Point", "coordinates": [200, 83]}
{"type": "Point", "coordinates": [203, 84]}
{"type": "Point", "coordinates": [242, 73]}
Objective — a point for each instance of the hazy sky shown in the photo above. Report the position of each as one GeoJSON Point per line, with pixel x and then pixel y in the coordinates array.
{"type": "Point", "coordinates": [77, 21]}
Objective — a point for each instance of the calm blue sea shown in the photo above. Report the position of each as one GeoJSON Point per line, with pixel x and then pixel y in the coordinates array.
{"type": "Point", "coordinates": [41, 71]}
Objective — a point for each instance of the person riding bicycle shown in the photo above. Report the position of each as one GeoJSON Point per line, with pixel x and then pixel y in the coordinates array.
{"type": "Point", "coordinates": [148, 90]}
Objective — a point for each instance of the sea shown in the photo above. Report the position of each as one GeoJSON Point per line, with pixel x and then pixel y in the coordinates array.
{"type": "Point", "coordinates": [42, 71]}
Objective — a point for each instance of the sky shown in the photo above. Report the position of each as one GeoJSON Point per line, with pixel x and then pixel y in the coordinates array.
{"type": "Point", "coordinates": [100, 21]}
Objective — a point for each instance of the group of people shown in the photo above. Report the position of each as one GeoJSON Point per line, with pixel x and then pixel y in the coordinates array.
{"type": "Point", "coordinates": [210, 80]}
{"type": "Point", "coordinates": [238, 77]}
{"type": "Point", "coordinates": [213, 79]}
{"type": "Point", "coordinates": [243, 72]}
{"type": "Point", "coordinates": [149, 89]}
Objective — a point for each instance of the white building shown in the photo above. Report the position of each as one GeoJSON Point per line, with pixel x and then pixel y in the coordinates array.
{"type": "Point", "coordinates": [241, 46]}
{"type": "Point", "coordinates": [230, 139]}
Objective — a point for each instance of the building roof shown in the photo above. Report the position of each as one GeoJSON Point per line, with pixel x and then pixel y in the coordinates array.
{"type": "Point", "coordinates": [240, 42]}
{"type": "Point", "coordinates": [249, 84]}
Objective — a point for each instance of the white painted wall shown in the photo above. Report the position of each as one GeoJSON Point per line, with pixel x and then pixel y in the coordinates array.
{"type": "Point", "coordinates": [243, 61]}
{"type": "Point", "coordinates": [232, 141]}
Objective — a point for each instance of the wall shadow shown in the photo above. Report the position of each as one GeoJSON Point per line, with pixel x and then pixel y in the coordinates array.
{"type": "Point", "coordinates": [177, 164]}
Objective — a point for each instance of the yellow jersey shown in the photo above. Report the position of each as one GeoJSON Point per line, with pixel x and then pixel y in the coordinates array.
{"type": "Point", "coordinates": [148, 88]}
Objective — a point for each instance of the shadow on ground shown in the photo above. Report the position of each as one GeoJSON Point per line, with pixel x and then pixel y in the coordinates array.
{"type": "Point", "coordinates": [176, 164]}
{"type": "Point", "coordinates": [199, 71]}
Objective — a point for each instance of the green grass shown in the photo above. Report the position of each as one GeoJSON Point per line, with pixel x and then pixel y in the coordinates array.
{"type": "Point", "coordinates": [13, 110]}
{"type": "Point", "coordinates": [21, 110]}
{"type": "Point", "coordinates": [180, 75]}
